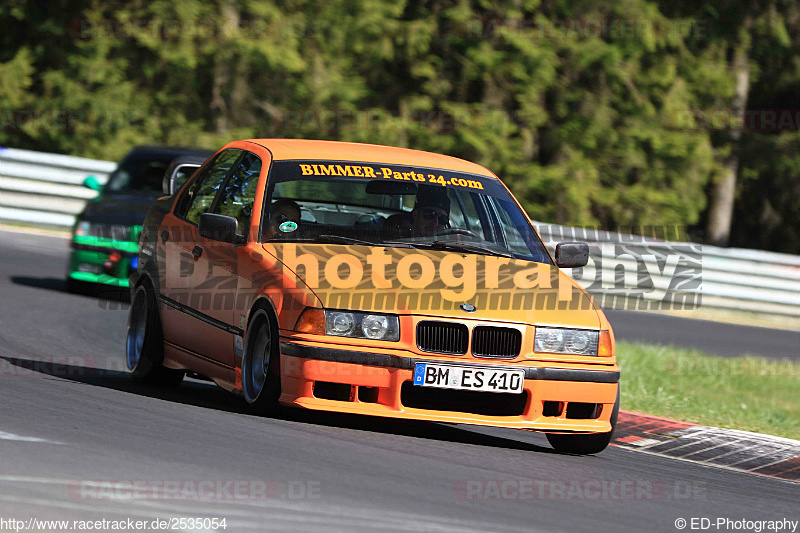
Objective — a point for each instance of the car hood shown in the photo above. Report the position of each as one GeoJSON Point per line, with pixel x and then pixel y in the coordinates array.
{"type": "Point", "coordinates": [438, 284]}
{"type": "Point", "coordinates": [119, 208]}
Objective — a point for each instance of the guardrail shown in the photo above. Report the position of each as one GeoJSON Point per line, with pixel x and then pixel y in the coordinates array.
{"type": "Point", "coordinates": [624, 271]}
{"type": "Point", "coordinates": [633, 272]}
{"type": "Point", "coordinates": [42, 188]}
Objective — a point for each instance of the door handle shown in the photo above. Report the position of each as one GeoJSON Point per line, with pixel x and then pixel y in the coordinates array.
{"type": "Point", "coordinates": [197, 252]}
{"type": "Point", "coordinates": [165, 235]}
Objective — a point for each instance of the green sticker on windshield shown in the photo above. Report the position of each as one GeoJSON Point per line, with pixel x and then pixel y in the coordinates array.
{"type": "Point", "coordinates": [288, 226]}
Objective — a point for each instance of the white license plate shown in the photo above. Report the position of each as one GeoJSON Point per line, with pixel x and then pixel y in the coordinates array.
{"type": "Point", "coordinates": [476, 378]}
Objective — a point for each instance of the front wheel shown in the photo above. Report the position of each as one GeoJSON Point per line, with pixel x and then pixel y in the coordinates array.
{"type": "Point", "coordinates": [144, 346]}
{"type": "Point", "coordinates": [585, 444]}
{"type": "Point", "coordinates": [261, 380]}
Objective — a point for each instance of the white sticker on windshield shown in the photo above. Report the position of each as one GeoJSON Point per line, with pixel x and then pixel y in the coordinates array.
{"type": "Point", "coordinates": [288, 226]}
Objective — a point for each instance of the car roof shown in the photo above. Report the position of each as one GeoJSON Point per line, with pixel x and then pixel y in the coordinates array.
{"type": "Point", "coordinates": [167, 152]}
{"type": "Point", "coordinates": [192, 158]}
{"type": "Point", "coordinates": [300, 149]}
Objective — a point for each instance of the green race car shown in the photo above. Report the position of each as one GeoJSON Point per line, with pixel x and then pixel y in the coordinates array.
{"type": "Point", "coordinates": [106, 234]}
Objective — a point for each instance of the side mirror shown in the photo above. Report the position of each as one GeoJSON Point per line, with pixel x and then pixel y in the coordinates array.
{"type": "Point", "coordinates": [176, 176]}
{"type": "Point", "coordinates": [572, 254]}
{"type": "Point", "coordinates": [91, 183]}
{"type": "Point", "coordinates": [219, 228]}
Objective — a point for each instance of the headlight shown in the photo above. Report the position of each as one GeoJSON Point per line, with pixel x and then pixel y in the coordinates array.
{"type": "Point", "coordinates": [89, 229]}
{"type": "Point", "coordinates": [114, 232]}
{"type": "Point", "coordinates": [569, 341]}
{"type": "Point", "coordinates": [83, 228]}
{"type": "Point", "coordinates": [362, 325]}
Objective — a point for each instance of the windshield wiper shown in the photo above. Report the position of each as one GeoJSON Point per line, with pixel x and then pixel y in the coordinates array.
{"type": "Point", "coordinates": [338, 239]}
{"type": "Point", "coordinates": [468, 247]}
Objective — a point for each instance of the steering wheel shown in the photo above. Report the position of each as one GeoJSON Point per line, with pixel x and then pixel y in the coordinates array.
{"type": "Point", "coordinates": [457, 231]}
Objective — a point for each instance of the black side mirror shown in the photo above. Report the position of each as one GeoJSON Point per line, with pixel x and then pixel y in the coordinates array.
{"type": "Point", "coordinates": [572, 254]}
{"type": "Point", "coordinates": [219, 228]}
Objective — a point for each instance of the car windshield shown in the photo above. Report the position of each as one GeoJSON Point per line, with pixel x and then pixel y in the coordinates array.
{"type": "Point", "coordinates": [138, 174]}
{"type": "Point", "coordinates": [391, 205]}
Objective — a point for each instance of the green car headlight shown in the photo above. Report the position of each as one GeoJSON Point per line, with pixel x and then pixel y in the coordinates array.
{"type": "Point", "coordinates": [568, 341]}
{"type": "Point", "coordinates": [362, 325]}
{"type": "Point", "coordinates": [83, 228]}
{"type": "Point", "coordinates": [114, 232]}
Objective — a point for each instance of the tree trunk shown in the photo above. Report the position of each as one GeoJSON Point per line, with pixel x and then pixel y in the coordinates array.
{"type": "Point", "coordinates": [720, 212]}
{"type": "Point", "coordinates": [222, 70]}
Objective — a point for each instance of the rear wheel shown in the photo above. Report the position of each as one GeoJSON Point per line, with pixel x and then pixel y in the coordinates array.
{"type": "Point", "coordinates": [585, 444]}
{"type": "Point", "coordinates": [261, 380]}
{"type": "Point", "coordinates": [144, 347]}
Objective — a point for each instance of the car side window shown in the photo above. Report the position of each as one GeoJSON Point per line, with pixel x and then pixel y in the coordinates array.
{"type": "Point", "coordinates": [183, 173]}
{"type": "Point", "coordinates": [201, 192]}
{"type": "Point", "coordinates": [465, 215]}
{"type": "Point", "coordinates": [239, 193]}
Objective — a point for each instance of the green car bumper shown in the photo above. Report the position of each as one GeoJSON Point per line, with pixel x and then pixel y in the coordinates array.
{"type": "Point", "coordinates": [103, 261]}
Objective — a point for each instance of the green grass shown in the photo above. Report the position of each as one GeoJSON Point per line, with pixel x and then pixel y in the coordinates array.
{"type": "Point", "coordinates": [750, 393]}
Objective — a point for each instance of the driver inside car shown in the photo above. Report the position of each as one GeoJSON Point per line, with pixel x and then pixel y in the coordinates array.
{"type": "Point", "coordinates": [431, 214]}
{"type": "Point", "coordinates": [282, 211]}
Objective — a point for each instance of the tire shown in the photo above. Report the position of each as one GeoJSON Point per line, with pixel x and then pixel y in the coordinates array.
{"type": "Point", "coordinates": [585, 444]}
{"type": "Point", "coordinates": [261, 380]}
{"type": "Point", "coordinates": [144, 345]}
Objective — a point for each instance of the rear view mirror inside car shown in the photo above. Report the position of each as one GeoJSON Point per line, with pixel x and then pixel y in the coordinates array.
{"type": "Point", "coordinates": [390, 187]}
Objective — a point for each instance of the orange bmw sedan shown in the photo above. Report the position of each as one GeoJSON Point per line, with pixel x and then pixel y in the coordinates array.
{"type": "Point", "coordinates": [372, 280]}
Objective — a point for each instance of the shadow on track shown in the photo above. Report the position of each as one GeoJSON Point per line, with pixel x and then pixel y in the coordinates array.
{"type": "Point", "coordinates": [79, 288]}
{"type": "Point", "coordinates": [205, 395]}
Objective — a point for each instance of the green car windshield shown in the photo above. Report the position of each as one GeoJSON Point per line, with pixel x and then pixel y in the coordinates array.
{"type": "Point", "coordinates": [390, 205]}
{"type": "Point", "coordinates": [138, 174]}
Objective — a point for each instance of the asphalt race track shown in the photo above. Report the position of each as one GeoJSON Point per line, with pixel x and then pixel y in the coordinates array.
{"type": "Point", "coordinates": [76, 435]}
{"type": "Point", "coordinates": [711, 337]}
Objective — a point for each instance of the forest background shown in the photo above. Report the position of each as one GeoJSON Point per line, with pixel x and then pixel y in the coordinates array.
{"type": "Point", "coordinates": [629, 115]}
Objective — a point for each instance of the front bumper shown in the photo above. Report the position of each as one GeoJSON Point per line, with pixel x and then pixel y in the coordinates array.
{"type": "Point", "coordinates": [388, 378]}
{"type": "Point", "coordinates": [104, 263]}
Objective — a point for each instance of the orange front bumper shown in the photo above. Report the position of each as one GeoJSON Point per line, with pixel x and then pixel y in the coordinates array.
{"type": "Point", "coordinates": [388, 379]}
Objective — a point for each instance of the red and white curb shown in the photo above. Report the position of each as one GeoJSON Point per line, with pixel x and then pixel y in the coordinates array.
{"type": "Point", "coordinates": [727, 448]}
